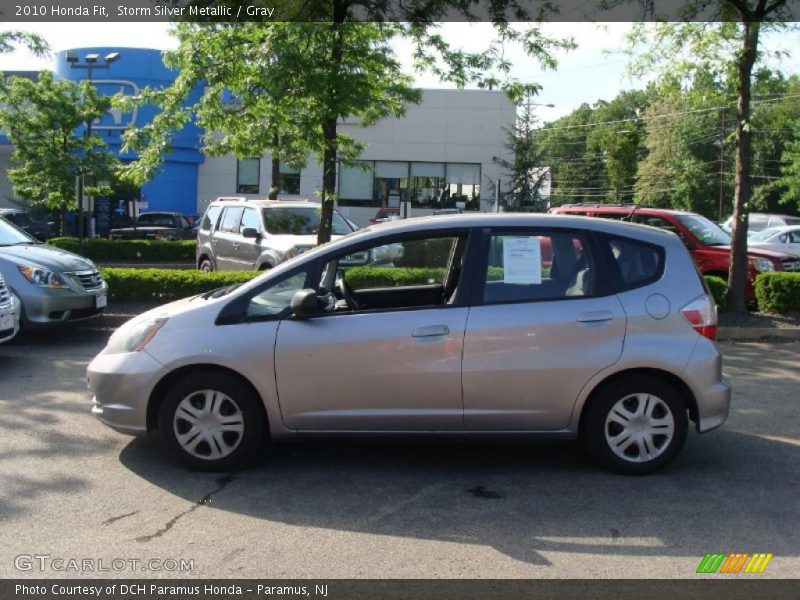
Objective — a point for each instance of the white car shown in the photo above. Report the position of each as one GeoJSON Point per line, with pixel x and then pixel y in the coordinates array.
{"type": "Point", "coordinates": [9, 312]}
{"type": "Point", "coordinates": [780, 239]}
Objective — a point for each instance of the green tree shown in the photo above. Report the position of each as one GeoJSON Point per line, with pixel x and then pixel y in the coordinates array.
{"type": "Point", "coordinates": [527, 170]}
{"type": "Point", "coordinates": [41, 118]}
{"type": "Point", "coordinates": [728, 45]}
{"type": "Point", "coordinates": [791, 169]}
{"type": "Point", "coordinates": [291, 84]}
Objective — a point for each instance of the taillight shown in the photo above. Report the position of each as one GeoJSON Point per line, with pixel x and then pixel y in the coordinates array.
{"type": "Point", "coordinates": [702, 316]}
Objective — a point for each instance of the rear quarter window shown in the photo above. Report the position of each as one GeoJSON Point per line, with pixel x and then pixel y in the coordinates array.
{"type": "Point", "coordinates": [637, 263]}
{"type": "Point", "coordinates": [210, 218]}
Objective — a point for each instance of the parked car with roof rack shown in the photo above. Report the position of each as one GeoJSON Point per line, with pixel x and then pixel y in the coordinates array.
{"type": "Point", "coordinates": [708, 244]}
{"type": "Point", "coordinates": [52, 285]}
{"type": "Point", "coordinates": [239, 234]}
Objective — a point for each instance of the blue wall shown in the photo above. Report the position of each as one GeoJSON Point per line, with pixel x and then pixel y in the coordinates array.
{"type": "Point", "coordinates": [175, 187]}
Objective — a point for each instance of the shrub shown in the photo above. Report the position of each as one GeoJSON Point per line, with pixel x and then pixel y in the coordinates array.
{"type": "Point", "coordinates": [778, 292]}
{"type": "Point", "coordinates": [165, 285]}
{"type": "Point", "coordinates": [371, 277]}
{"type": "Point", "coordinates": [102, 250]}
{"type": "Point", "coordinates": [718, 287]}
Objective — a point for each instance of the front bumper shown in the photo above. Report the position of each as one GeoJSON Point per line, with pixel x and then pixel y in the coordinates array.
{"type": "Point", "coordinates": [121, 385]}
{"type": "Point", "coordinates": [12, 310]}
{"type": "Point", "coordinates": [49, 307]}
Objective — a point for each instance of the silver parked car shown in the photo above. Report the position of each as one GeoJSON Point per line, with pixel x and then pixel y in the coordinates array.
{"type": "Point", "coordinates": [52, 285]}
{"type": "Point", "coordinates": [540, 325]}
{"type": "Point", "coordinates": [237, 234]}
{"type": "Point", "coordinates": [9, 313]}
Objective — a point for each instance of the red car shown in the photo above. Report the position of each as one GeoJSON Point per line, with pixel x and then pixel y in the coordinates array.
{"type": "Point", "coordinates": [708, 244]}
{"type": "Point", "coordinates": [384, 214]}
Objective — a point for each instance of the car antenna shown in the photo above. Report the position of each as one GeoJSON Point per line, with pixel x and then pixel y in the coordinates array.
{"type": "Point", "coordinates": [629, 216]}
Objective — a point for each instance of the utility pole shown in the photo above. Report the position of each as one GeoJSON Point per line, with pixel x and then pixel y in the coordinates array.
{"type": "Point", "coordinates": [722, 164]}
{"type": "Point", "coordinates": [90, 63]}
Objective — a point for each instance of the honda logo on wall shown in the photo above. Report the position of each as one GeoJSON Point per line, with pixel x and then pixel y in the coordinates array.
{"type": "Point", "coordinates": [115, 118]}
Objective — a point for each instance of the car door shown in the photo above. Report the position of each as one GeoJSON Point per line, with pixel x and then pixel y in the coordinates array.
{"type": "Point", "coordinates": [245, 251]}
{"type": "Point", "coordinates": [393, 364]}
{"type": "Point", "coordinates": [225, 237]}
{"type": "Point", "coordinates": [541, 325]}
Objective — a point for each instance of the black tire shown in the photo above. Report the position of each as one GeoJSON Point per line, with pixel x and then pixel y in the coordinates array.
{"type": "Point", "coordinates": [626, 396]}
{"type": "Point", "coordinates": [264, 267]}
{"type": "Point", "coordinates": [206, 265]}
{"type": "Point", "coordinates": [246, 448]}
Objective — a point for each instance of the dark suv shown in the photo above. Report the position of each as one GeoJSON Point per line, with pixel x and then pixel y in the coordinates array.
{"type": "Point", "coordinates": [169, 226]}
{"type": "Point", "coordinates": [708, 244]}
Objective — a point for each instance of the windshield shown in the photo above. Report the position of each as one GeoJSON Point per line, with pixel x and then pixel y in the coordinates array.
{"type": "Point", "coordinates": [704, 230]}
{"type": "Point", "coordinates": [764, 235]}
{"type": "Point", "coordinates": [300, 220]}
{"type": "Point", "coordinates": [11, 235]}
{"type": "Point", "coordinates": [155, 220]}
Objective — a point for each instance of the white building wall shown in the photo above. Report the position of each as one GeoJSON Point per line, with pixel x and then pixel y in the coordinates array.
{"type": "Point", "coordinates": [450, 126]}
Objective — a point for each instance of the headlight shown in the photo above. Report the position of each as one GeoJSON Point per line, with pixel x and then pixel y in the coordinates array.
{"type": "Point", "coordinates": [763, 265]}
{"type": "Point", "coordinates": [42, 277]}
{"type": "Point", "coordinates": [135, 337]}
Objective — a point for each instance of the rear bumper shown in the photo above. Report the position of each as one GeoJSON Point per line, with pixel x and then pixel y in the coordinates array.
{"type": "Point", "coordinates": [711, 391]}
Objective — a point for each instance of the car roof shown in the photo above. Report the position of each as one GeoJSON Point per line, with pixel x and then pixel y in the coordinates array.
{"type": "Point", "coordinates": [621, 208]}
{"type": "Point", "coordinates": [476, 220]}
{"type": "Point", "coordinates": [293, 203]}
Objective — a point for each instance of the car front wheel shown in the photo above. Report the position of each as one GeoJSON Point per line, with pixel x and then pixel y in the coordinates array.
{"type": "Point", "coordinates": [213, 422]}
{"type": "Point", "coordinates": [636, 425]}
{"type": "Point", "coordinates": [206, 266]}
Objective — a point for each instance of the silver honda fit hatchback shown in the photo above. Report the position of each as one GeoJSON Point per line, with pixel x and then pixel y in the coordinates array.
{"type": "Point", "coordinates": [541, 325]}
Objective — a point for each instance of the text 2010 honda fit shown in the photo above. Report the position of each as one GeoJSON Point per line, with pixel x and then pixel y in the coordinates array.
{"type": "Point", "coordinates": [538, 325]}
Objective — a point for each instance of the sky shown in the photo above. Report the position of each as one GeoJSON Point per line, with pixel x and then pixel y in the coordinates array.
{"type": "Point", "coordinates": [584, 75]}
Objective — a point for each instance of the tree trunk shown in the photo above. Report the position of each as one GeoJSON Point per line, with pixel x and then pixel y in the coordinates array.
{"type": "Point", "coordinates": [737, 277]}
{"type": "Point", "coordinates": [275, 178]}
{"type": "Point", "coordinates": [329, 126]}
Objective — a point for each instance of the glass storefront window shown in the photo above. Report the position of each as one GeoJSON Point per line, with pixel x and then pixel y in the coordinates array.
{"type": "Point", "coordinates": [247, 178]}
{"type": "Point", "coordinates": [463, 186]}
{"type": "Point", "coordinates": [355, 184]}
{"type": "Point", "coordinates": [289, 182]}
{"type": "Point", "coordinates": [391, 183]}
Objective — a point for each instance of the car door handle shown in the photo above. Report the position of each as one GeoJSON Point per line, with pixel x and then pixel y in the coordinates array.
{"type": "Point", "coordinates": [431, 331]}
{"type": "Point", "coordinates": [596, 316]}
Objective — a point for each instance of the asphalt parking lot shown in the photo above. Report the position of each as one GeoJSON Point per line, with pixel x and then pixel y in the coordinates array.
{"type": "Point", "coordinates": [73, 489]}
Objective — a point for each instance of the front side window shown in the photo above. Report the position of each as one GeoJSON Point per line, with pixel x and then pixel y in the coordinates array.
{"type": "Point", "coordinates": [300, 220]}
{"type": "Point", "coordinates": [537, 266]}
{"type": "Point", "coordinates": [405, 274]}
{"type": "Point", "coordinates": [251, 219]}
{"type": "Point", "coordinates": [247, 176]}
{"type": "Point", "coordinates": [230, 218]}
{"type": "Point", "coordinates": [277, 298]}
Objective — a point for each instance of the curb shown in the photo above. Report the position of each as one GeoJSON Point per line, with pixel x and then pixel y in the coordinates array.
{"type": "Point", "coordinates": [757, 333]}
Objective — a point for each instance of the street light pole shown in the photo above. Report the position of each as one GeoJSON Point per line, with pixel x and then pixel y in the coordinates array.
{"type": "Point", "coordinates": [90, 63]}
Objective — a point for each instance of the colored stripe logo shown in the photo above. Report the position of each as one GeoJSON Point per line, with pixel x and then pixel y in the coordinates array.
{"type": "Point", "coordinates": [734, 563]}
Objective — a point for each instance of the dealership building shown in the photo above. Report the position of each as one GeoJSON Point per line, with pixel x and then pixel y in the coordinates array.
{"type": "Point", "coordinates": [445, 152]}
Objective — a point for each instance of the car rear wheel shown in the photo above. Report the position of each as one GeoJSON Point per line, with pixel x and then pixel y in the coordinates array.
{"type": "Point", "coordinates": [213, 422]}
{"type": "Point", "coordinates": [206, 266]}
{"type": "Point", "coordinates": [636, 425]}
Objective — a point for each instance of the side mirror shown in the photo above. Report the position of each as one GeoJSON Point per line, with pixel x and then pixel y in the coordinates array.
{"type": "Point", "coordinates": [305, 304]}
{"type": "Point", "coordinates": [250, 232]}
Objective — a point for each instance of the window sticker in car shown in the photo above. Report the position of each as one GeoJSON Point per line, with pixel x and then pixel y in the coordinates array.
{"type": "Point", "coordinates": [522, 260]}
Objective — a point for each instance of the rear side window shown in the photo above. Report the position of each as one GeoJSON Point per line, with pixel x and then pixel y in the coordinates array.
{"type": "Point", "coordinates": [537, 266]}
{"type": "Point", "coordinates": [230, 218]}
{"type": "Point", "coordinates": [210, 218]}
{"type": "Point", "coordinates": [638, 263]}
